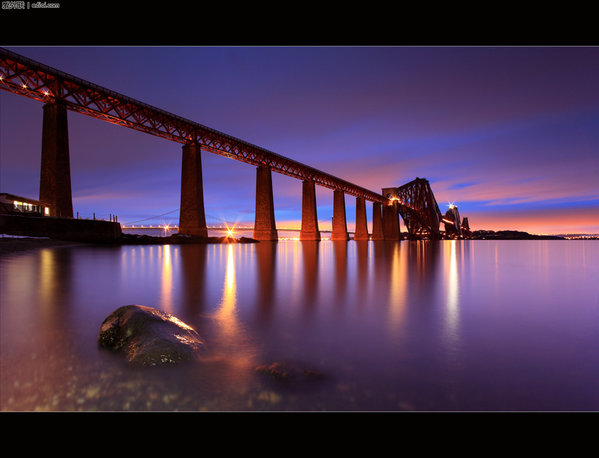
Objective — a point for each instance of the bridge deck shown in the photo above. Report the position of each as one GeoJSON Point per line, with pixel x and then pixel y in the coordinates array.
{"type": "Point", "coordinates": [24, 76]}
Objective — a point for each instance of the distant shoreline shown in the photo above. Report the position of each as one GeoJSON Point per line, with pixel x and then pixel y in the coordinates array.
{"type": "Point", "coordinates": [480, 234]}
{"type": "Point", "coordinates": [511, 235]}
{"type": "Point", "coordinates": [10, 244]}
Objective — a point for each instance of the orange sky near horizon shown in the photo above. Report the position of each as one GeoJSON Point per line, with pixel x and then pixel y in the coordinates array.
{"type": "Point", "coordinates": [539, 221]}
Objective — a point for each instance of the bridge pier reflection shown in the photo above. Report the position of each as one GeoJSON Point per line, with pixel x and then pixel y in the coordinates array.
{"type": "Point", "coordinates": [310, 273]}
{"type": "Point", "coordinates": [266, 268]}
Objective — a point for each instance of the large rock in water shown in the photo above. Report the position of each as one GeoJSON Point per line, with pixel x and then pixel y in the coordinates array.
{"type": "Point", "coordinates": [148, 336]}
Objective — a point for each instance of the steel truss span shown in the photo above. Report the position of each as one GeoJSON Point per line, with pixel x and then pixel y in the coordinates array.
{"type": "Point", "coordinates": [417, 207]}
{"type": "Point", "coordinates": [32, 79]}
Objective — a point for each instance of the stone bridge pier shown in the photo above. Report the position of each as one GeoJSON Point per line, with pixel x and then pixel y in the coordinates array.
{"type": "Point", "coordinates": [58, 91]}
{"type": "Point", "coordinates": [391, 221]}
{"type": "Point", "coordinates": [361, 229]}
{"type": "Point", "coordinates": [55, 191]}
{"type": "Point", "coordinates": [309, 230]}
{"type": "Point", "coordinates": [264, 223]}
{"type": "Point", "coordinates": [55, 174]}
{"type": "Point", "coordinates": [192, 219]}
{"type": "Point", "coordinates": [339, 221]}
{"type": "Point", "coordinates": [377, 222]}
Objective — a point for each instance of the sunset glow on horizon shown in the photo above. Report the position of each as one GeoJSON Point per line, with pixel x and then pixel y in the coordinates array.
{"type": "Point", "coordinates": [508, 134]}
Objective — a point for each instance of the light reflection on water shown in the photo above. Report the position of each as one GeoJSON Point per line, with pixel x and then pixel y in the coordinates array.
{"type": "Point", "coordinates": [453, 325]}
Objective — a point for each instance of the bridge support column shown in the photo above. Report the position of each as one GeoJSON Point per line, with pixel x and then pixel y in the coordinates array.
{"type": "Point", "coordinates": [55, 176]}
{"type": "Point", "coordinates": [192, 219]}
{"type": "Point", "coordinates": [264, 225]}
{"type": "Point", "coordinates": [339, 219]}
{"type": "Point", "coordinates": [377, 222]}
{"type": "Point", "coordinates": [309, 230]}
{"type": "Point", "coordinates": [361, 230]}
{"type": "Point", "coordinates": [391, 222]}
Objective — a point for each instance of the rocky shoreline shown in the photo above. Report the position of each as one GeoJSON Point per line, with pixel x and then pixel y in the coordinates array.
{"type": "Point", "coordinates": [177, 239]}
{"type": "Point", "coordinates": [17, 244]}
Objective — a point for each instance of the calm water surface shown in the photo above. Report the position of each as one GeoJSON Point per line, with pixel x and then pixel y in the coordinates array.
{"type": "Point", "coordinates": [451, 325]}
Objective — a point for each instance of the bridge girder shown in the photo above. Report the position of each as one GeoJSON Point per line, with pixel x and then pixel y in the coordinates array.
{"type": "Point", "coordinates": [417, 207]}
{"type": "Point", "coordinates": [24, 76]}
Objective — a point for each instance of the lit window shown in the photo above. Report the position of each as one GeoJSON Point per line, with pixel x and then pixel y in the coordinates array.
{"type": "Point", "coordinates": [47, 211]}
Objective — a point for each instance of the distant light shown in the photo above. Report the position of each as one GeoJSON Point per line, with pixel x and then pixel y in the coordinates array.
{"type": "Point", "coordinates": [230, 232]}
{"type": "Point", "coordinates": [24, 86]}
{"type": "Point", "coordinates": [46, 93]}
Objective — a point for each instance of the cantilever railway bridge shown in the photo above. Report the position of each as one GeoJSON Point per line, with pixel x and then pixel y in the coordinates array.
{"type": "Point", "coordinates": [59, 92]}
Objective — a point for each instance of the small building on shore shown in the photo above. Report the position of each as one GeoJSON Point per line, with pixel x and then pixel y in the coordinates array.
{"type": "Point", "coordinates": [17, 205]}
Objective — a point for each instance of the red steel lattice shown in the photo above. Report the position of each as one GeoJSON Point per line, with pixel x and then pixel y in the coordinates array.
{"type": "Point", "coordinates": [23, 76]}
{"type": "Point", "coordinates": [417, 207]}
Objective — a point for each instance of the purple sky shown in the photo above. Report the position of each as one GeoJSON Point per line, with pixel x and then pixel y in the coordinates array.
{"type": "Point", "coordinates": [509, 134]}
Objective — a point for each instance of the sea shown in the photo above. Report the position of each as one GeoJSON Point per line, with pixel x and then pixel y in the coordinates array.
{"type": "Point", "coordinates": [405, 326]}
